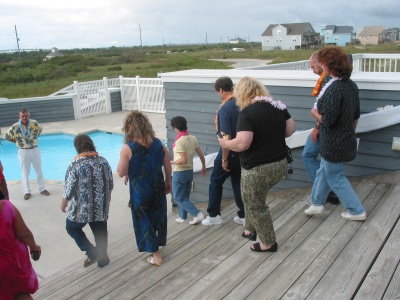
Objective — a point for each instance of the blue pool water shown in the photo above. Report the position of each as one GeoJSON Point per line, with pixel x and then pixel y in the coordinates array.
{"type": "Point", "coordinates": [57, 151]}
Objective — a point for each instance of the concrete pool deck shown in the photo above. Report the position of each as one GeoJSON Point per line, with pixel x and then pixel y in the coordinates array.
{"type": "Point", "coordinates": [43, 215]}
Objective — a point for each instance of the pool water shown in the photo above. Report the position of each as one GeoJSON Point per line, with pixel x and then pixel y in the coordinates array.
{"type": "Point", "coordinates": [57, 151]}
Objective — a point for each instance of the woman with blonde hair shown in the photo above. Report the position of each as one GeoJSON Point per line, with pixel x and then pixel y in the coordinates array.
{"type": "Point", "coordinates": [142, 158]}
{"type": "Point", "coordinates": [261, 130]}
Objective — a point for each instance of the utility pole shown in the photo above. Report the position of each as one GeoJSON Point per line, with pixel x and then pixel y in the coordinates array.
{"type": "Point", "coordinates": [16, 36]}
{"type": "Point", "coordinates": [140, 32]}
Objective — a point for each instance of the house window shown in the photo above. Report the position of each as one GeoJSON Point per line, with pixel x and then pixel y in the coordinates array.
{"type": "Point", "coordinates": [336, 38]}
{"type": "Point", "coordinates": [328, 38]}
{"type": "Point", "coordinates": [279, 31]}
{"type": "Point", "coordinates": [294, 39]}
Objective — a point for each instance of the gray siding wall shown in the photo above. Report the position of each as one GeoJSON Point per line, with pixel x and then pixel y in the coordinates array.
{"type": "Point", "coordinates": [116, 104]}
{"type": "Point", "coordinates": [51, 110]}
{"type": "Point", "coordinates": [198, 102]}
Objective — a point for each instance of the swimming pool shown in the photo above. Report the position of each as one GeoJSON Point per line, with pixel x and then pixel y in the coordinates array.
{"type": "Point", "coordinates": [57, 151]}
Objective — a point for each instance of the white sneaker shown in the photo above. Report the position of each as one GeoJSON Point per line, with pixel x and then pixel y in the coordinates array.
{"type": "Point", "coordinates": [212, 220]}
{"type": "Point", "coordinates": [179, 220]}
{"type": "Point", "coordinates": [313, 209]}
{"type": "Point", "coordinates": [348, 216]}
{"type": "Point", "coordinates": [240, 221]}
{"type": "Point", "coordinates": [197, 219]}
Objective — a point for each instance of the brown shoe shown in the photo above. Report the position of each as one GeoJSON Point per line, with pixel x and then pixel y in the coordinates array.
{"type": "Point", "coordinates": [27, 196]}
{"type": "Point", "coordinates": [89, 261]}
{"type": "Point", "coordinates": [45, 192]}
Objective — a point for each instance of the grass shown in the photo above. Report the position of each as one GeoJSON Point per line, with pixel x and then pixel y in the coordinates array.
{"type": "Point", "coordinates": [157, 61]}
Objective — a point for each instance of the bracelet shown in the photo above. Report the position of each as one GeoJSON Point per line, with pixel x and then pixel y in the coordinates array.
{"type": "Point", "coordinates": [224, 160]}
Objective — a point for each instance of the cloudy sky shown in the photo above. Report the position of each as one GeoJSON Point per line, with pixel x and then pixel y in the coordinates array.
{"type": "Point", "coordinates": [68, 24]}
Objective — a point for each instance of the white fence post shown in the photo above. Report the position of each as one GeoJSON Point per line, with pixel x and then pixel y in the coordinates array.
{"type": "Point", "coordinates": [138, 93]}
{"type": "Point", "coordinates": [107, 95]}
{"type": "Point", "coordinates": [121, 88]}
{"type": "Point", "coordinates": [76, 102]}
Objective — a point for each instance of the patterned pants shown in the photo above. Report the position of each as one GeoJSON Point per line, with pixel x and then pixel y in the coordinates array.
{"type": "Point", "coordinates": [255, 184]}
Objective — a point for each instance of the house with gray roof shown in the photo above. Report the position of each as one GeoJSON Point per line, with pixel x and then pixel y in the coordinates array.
{"type": "Point", "coordinates": [54, 53]}
{"type": "Point", "coordinates": [371, 35]}
{"type": "Point", "coordinates": [338, 35]}
{"type": "Point", "coordinates": [289, 36]}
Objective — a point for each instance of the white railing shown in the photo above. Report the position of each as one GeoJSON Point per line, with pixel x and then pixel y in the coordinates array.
{"type": "Point", "coordinates": [145, 94]}
{"type": "Point", "coordinates": [93, 97]}
{"type": "Point", "coordinates": [376, 62]}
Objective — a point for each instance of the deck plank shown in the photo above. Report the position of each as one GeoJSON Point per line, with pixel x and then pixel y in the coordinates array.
{"type": "Point", "coordinates": [379, 277]}
{"type": "Point", "coordinates": [345, 275]}
{"type": "Point", "coordinates": [308, 278]}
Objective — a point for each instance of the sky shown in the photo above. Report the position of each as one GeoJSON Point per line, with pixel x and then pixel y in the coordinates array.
{"type": "Point", "coordinates": [70, 24]}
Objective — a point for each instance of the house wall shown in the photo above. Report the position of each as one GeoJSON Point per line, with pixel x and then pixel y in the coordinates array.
{"type": "Point", "coordinates": [369, 40]}
{"type": "Point", "coordinates": [46, 109]}
{"type": "Point", "coordinates": [338, 39]}
{"type": "Point", "coordinates": [191, 94]}
{"type": "Point", "coordinates": [280, 40]}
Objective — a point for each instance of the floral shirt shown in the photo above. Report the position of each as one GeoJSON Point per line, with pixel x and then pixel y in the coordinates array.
{"type": "Point", "coordinates": [88, 185]}
{"type": "Point", "coordinates": [26, 137]}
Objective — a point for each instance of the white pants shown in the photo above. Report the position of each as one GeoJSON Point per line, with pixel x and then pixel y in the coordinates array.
{"type": "Point", "coordinates": [26, 158]}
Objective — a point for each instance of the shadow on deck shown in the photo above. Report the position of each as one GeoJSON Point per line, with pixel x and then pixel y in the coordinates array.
{"type": "Point", "coordinates": [319, 257]}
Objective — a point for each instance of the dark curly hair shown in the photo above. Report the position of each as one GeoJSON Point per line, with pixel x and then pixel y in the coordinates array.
{"type": "Point", "coordinates": [336, 61]}
{"type": "Point", "coordinates": [83, 143]}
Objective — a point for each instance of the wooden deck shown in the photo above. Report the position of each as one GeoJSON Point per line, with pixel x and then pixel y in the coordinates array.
{"type": "Point", "coordinates": [319, 257]}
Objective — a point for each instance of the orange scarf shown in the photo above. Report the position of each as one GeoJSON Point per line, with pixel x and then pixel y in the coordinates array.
{"type": "Point", "coordinates": [318, 85]}
{"type": "Point", "coordinates": [216, 116]}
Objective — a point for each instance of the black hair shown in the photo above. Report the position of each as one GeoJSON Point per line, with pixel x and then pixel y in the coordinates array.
{"type": "Point", "coordinates": [179, 123]}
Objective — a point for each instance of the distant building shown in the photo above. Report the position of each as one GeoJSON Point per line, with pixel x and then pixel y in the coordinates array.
{"type": "Point", "coordinates": [390, 35]}
{"type": "Point", "coordinates": [237, 40]}
{"type": "Point", "coordinates": [289, 36]}
{"type": "Point", "coordinates": [371, 35]}
{"type": "Point", "coordinates": [54, 53]}
{"type": "Point", "coordinates": [337, 35]}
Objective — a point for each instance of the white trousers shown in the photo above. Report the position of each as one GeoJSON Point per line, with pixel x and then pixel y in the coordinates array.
{"type": "Point", "coordinates": [26, 158]}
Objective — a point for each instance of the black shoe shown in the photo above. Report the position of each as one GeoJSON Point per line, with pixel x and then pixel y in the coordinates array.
{"type": "Point", "coordinates": [332, 198]}
{"type": "Point", "coordinates": [252, 236]}
{"type": "Point", "coordinates": [257, 248]}
{"type": "Point", "coordinates": [103, 262]}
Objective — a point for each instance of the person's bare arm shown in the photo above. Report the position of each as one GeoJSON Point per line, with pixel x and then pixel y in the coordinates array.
{"type": "Point", "coordinates": [290, 127]}
{"type": "Point", "coordinates": [182, 160]}
{"type": "Point", "coordinates": [24, 234]}
{"type": "Point", "coordinates": [241, 143]}
{"type": "Point", "coordinates": [203, 161]}
{"type": "Point", "coordinates": [167, 170]}
{"type": "Point", "coordinates": [355, 123]}
{"type": "Point", "coordinates": [124, 157]}
{"type": "Point", "coordinates": [63, 205]}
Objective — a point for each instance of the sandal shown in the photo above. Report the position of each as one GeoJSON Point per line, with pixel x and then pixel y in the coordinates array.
{"type": "Point", "coordinates": [150, 260]}
{"type": "Point", "coordinates": [257, 248]}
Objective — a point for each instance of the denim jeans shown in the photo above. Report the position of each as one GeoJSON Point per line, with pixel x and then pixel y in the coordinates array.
{"type": "Point", "coordinates": [181, 187]}
{"type": "Point", "coordinates": [217, 179]}
{"type": "Point", "coordinates": [310, 157]}
{"type": "Point", "coordinates": [330, 176]}
{"type": "Point", "coordinates": [100, 234]}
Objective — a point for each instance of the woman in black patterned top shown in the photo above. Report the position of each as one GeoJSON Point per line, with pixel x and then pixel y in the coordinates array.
{"type": "Point", "coordinates": [338, 111]}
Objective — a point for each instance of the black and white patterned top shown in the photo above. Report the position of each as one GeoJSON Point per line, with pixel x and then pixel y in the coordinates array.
{"type": "Point", "coordinates": [88, 185]}
{"type": "Point", "coordinates": [339, 107]}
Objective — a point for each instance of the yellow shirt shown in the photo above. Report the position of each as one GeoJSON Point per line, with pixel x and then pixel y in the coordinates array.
{"type": "Point", "coordinates": [25, 137]}
{"type": "Point", "coordinates": [188, 144]}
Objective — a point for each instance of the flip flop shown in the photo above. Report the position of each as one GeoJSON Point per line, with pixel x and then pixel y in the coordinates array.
{"type": "Point", "coordinates": [150, 260]}
{"type": "Point", "coordinates": [257, 248]}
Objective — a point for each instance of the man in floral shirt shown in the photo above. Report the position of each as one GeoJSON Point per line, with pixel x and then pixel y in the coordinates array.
{"type": "Point", "coordinates": [25, 135]}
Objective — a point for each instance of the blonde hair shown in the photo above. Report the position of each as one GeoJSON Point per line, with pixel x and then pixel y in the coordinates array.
{"type": "Point", "coordinates": [247, 89]}
{"type": "Point", "coordinates": [137, 126]}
